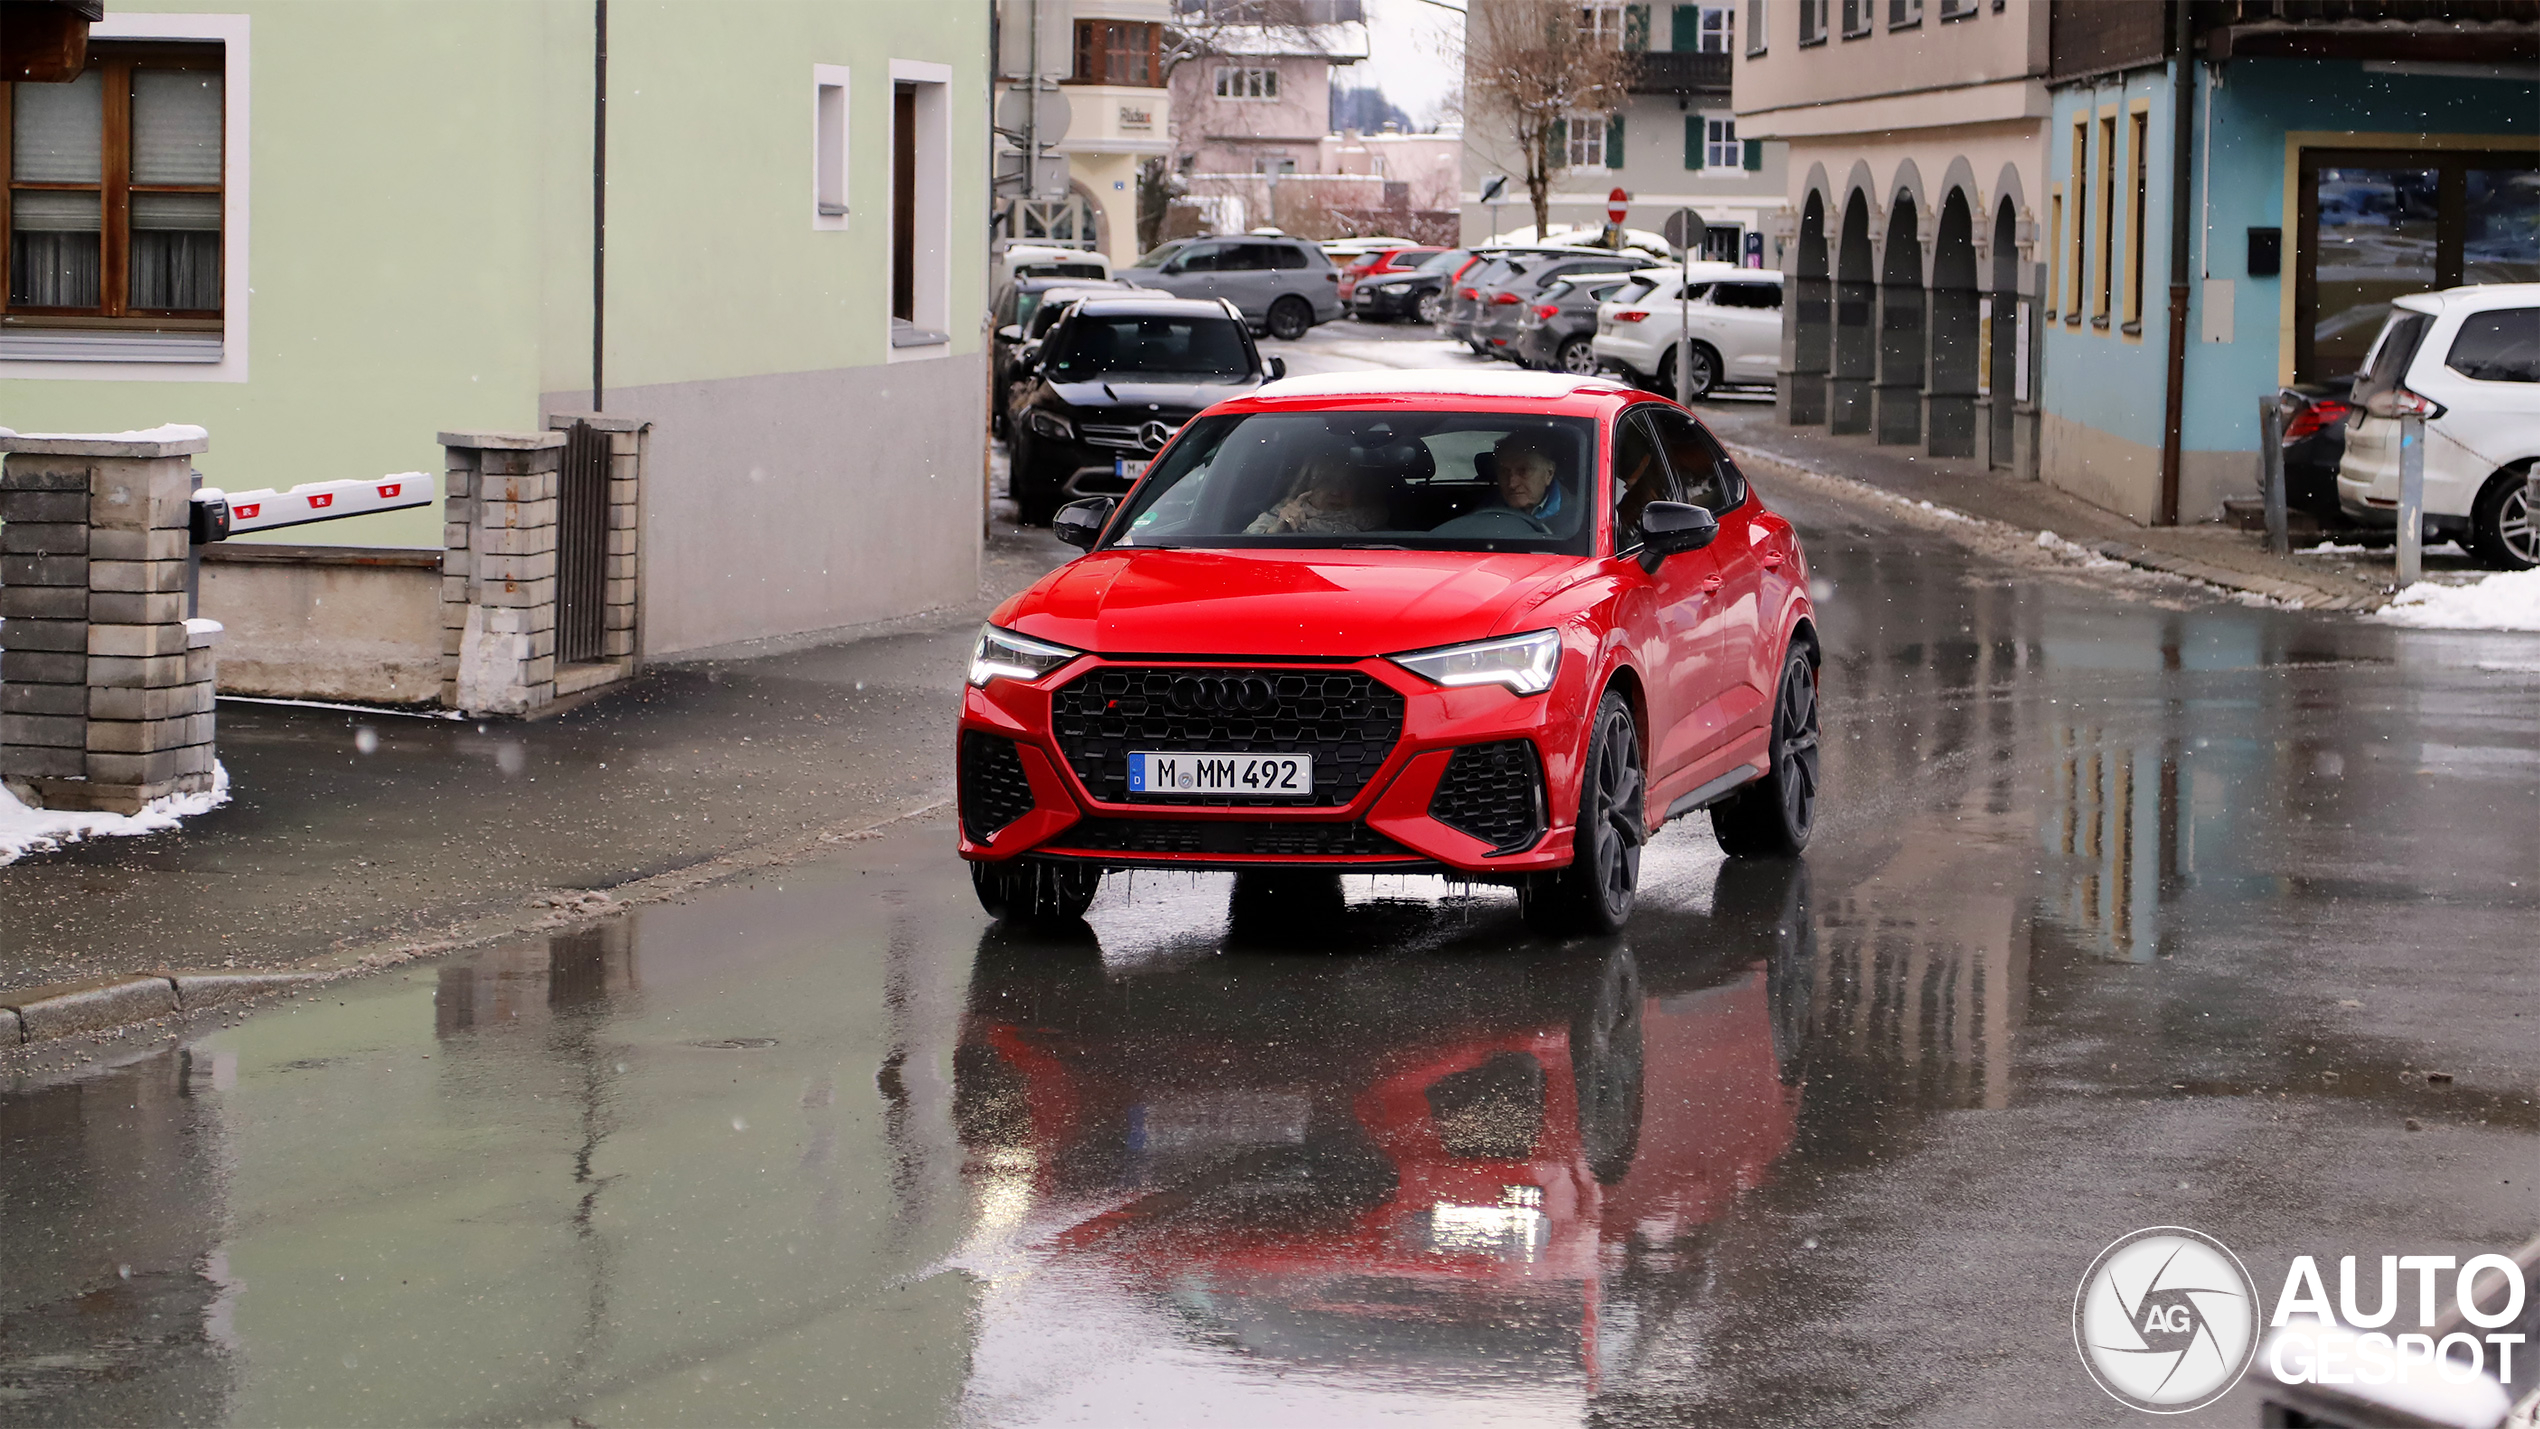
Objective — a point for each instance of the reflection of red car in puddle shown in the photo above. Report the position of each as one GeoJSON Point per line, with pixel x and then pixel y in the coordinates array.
{"type": "Point", "coordinates": [1382, 1167]}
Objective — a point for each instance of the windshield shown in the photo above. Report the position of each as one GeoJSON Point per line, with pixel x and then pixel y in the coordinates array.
{"type": "Point", "coordinates": [1443, 262]}
{"type": "Point", "coordinates": [1388, 480]}
{"type": "Point", "coordinates": [1154, 257]}
{"type": "Point", "coordinates": [1149, 345]}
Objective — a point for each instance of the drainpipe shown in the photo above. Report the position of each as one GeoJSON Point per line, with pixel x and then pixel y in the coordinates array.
{"type": "Point", "coordinates": [599, 193]}
{"type": "Point", "coordinates": [2182, 180]}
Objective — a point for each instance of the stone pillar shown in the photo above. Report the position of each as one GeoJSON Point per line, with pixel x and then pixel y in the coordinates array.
{"type": "Point", "coordinates": [105, 686]}
{"type": "Point", "coordinates": [498, 572]}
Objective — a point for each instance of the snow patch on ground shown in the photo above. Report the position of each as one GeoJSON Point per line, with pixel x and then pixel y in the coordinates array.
{"type": "Point", "coordinates": [2088, 559]}
{"type": "Point", "coordinates": [24, 831]}
{"type": "Point", "coordinates": [2508, 601]}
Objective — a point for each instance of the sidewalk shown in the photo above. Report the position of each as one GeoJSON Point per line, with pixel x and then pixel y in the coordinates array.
{"type": "Point", "coordinates": [2212, 553]}
{"type": "Point", "coordinates": [359, 835]}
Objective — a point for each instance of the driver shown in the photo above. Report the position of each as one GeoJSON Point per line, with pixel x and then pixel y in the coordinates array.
{"type": "Point", "coordinates": [1525, 468]}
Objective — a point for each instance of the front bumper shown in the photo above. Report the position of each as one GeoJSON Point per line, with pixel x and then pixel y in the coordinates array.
{"type": "Point", "coordinates": [1370, 301]}
{"type": "Point", "coordinates": [1039, 802]}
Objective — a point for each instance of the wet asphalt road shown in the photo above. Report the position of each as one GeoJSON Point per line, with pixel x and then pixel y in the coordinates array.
{"type": "Point", "coordinates": [2122, 913]}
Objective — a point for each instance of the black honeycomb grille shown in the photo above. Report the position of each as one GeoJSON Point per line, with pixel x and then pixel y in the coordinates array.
{"type": "Point", "coordinates": [1347, 720]}
{"type": "Point", "coordinates": [1494, 793]}
{"type": "Point", "coordinates": [1257, 837]}
{"type": "Point", "coordinates": [994, 789]}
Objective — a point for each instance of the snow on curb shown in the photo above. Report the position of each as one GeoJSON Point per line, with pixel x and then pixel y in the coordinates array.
{"type": "Point", "coordinates": [24, 830]}
{"type": "Point", "coordinates": [2508, 601]}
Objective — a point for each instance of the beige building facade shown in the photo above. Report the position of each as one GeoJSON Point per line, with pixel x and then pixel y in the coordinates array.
{"type": "Point", "coordinates": [1102, 67]}
{"type": "Point", "coordinates": [1917, 144]}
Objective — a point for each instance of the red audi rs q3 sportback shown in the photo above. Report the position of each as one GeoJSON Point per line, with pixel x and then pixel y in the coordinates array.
{"type": "Point", "coordinates": [1498, 626]}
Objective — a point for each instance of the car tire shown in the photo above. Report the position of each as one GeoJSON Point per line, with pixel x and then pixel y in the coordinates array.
{"type": "Point", "coordinates": [1290, 318]}
{"type": "Point", "coordinates": [1706, 373]}
{"type": "Point", "coordinates": [2502, 533]}
{"type": "Point", "coordinates": [1037, 892]}
{"type": "Point", "coordinates": [1578, 358]}
{"type": "Point", "coordinates": [1431, 307]}
{"type": "Point", "coordinates": [1594, 894]}
{"type": "Point", "coordinates": [1773, 816]}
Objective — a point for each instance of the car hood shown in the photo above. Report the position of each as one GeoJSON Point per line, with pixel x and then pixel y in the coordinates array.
{"type": "Point", "coordinates": [1130, 393]}
{"type": "Point", "coordinates": [1284, 602]}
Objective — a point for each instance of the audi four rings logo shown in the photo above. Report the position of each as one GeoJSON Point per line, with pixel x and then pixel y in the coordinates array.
{"type": "Point", "coordinates": [1221, 694]}
{"type": "Point", "coordinates": [1154, 435]}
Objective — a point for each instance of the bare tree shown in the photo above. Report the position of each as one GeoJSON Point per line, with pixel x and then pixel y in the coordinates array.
{"type": "Point", "coordinates": [1530, 66]}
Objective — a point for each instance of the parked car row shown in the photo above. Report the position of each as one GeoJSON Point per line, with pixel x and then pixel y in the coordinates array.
{"type": "Point", "coordinates": [2467, 361]}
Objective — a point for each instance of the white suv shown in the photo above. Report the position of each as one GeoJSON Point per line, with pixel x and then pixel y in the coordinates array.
{"type": "Point", "coordinates": [1734, 315]}
{"type": "Point", "coordinates": [2469, 360]}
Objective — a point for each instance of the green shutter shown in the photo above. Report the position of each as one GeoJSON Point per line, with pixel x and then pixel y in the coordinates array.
{"type": "Point", "coordinates": [1559, 157]}
{"type": "Point", "coordinates": [1693, 141]}
{"type": "Point", "coordinates": [1614, 142]}
{"type": "Point", "coordinates": [1754, 154]}
{"type": "Point", "coordinates": [1687, 29]}
{"type": "Point", "coordinates": [1635, 28]}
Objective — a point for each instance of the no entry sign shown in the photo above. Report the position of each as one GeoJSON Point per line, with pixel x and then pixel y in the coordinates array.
{"type": "Point", "coordinates": [1615, 203]}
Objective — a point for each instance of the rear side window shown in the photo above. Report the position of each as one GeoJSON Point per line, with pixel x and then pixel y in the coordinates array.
{"type": "Point", "coordinates": [2392, 354]}
{"type": "Point", "coordinates": [1747, 295]}
{"type": "Point", "coordinates": [1288, 255]}
{"type": "Point", "coordinates": [1632, 291]}
{"type": "Point", "coordinates": [2498, 346]}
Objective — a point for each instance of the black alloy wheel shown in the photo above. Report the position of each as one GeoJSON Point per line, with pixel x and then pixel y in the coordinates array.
{"type": "Point", "coordinates": [1431, 307]}
{"type": "Point", "coordinates": [1594, 894]}
{"type": "Point", "coordinates": [1772, 817]}
{"type": "Point", "coordinates": [1289, 318]}
{"type": "Point", "coordinates": [1037, 892]}
{"type": "Point", "coordinates": [2500, 521]}
{"type": "Point", "coordinates": [1704, 370]}
{"type": "Point", "coordinates": [1578, 358]}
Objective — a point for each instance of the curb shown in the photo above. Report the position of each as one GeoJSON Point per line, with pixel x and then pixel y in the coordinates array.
{"type": "Point", "coordinates": [67, 1009]}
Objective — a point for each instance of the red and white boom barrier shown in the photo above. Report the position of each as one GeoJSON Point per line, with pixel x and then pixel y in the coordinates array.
{"type": "Point", "coordinates": [219, 515]}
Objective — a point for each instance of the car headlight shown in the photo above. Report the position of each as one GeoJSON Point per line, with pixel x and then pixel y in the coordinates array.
{"type": "Point", "coordinates": [1524, 663]}
{"type": "Point", "coordinates": [1004, 655]}
{"type": "Point", "coordinates": [1395, 286]}
{"type": "Point", "coordinates": [1045, 423]}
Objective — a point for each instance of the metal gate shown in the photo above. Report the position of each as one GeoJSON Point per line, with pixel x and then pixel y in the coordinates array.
{"type": "Point", "coordinates": [582, 534]}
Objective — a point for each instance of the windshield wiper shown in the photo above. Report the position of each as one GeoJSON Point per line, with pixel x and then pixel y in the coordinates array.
{"type": "Point", "coordinates": [1371, 546]}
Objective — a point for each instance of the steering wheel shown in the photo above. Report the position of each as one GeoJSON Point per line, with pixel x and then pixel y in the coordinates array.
{"type": "Point", "coordinates": [1492, 521]}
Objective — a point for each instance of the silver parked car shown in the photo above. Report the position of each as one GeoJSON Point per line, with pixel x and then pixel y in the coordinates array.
{"type": "Point", "coordinates": [1283, 286]}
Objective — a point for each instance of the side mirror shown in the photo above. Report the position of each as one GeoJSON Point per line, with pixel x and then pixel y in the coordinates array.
{"type": "Point", "coordinates": [1671, 528]}
{"type": "Point", "coordinates": [1080, 523]}
{"type": "Point", "coordinates": [1028, 355]}
{"type": "Point", "coordinates": [1275, 367]}
{"type": "Point", "coordinates": [1011, 332]}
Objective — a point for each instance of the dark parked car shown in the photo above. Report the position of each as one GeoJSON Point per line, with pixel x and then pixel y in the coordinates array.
{"type": "Point", "coordinates": [1555, 329]}
{"type": "Point", "coordinates": [1283, 286]}
{"type": "Point", "coordinates": [1472, 289]}
{"type": "Point", "coordinates": [1113, 381]}
{"type": "Point", "coordinates": [1380, 263]}
{"type": "Point", "coordinates": [1496, 313]}
{"type": "Point", "coordinates": [1016, 319]}
{"type": "Point", "coordinates": [1417, 292]}
{"type": "Point", "coordinates": [2314, 447]}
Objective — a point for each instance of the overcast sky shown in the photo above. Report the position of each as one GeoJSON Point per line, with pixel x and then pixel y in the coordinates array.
{"type": "Point", "coordinates": [1411, 55]}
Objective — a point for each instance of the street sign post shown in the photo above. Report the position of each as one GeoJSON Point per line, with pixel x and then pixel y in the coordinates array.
{"type": "Point", "coordinates": [1684, 231]}
{"type": "Point", "coordinates": [2411, 557]}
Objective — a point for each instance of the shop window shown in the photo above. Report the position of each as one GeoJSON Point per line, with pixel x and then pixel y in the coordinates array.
{"type": "Point", "coordinates": [2376, 224]}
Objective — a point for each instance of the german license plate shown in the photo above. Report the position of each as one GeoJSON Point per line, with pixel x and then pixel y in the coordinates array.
{"type": "Point", "coordinates": [1265, 776]}
{"type": "Point", "coordinates": [1128, 470]}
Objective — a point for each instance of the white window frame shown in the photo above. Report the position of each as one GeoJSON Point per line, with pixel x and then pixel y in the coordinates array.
{"type": "Point", "coordinates": [231, 32]}
{"type": "Point", "coordinates": [932, 209]}
{"type": "Point", "coordinates": [1595, 124]}
{"type": "Point", "coordinates": [1603, 21]}
{"type": "Point", "coordinates": [1719, 136]}
{"type": "Point", "coordinates": [1250, 84]}
{"type": "Point", "coordinates": [1717, 22]}
{"type": "Point", "coordinates": [1816, 21]}
{"type": "Point", "coordinates": [829, 109]}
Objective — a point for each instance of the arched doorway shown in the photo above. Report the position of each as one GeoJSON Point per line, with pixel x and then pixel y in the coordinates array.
{"type": "Point", "coordinates": [1900, 339]}
{"type": "Point", "coordinates": [1854, 357]}
{"type": "Point", "coordinates": [1811, 319]}
{"type": "Point", "coordinates": [1949, 409]}
{"type": "Point", "coordinates": [2009, 382]}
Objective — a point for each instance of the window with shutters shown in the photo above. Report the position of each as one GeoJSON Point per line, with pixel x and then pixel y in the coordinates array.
{"type": "Point", "coordinates": [1602, 25]}
{"type": "Point", "coordinates": [1118, 52]}
{"type": "Point", "coordinates": [113, 192]}
{"type": "Point", "coordinates": [1587, 141]}
{"type": "Point", "coordinates": [1720, 149]}
{"type": "Point", "coordinates": [1719, 30]}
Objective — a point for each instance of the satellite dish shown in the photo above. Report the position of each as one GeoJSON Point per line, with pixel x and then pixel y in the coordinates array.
{"type": "Point", "coordinates": [1684, 229]}
{"type": "Point", "coordinates": [1016, 111]}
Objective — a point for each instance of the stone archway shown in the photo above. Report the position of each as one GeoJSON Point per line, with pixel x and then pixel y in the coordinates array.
{"type": "Point", "coordinates": [1811, 320]}
{"type": "Point", "coordinates": [2007, 377]}
{"type": "Point", "coordinates": [1899, 418]}
{"type": "Point", "coordinates": [1949, 408]}
{"type": "Point", "coordinates": [1854, 355]}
